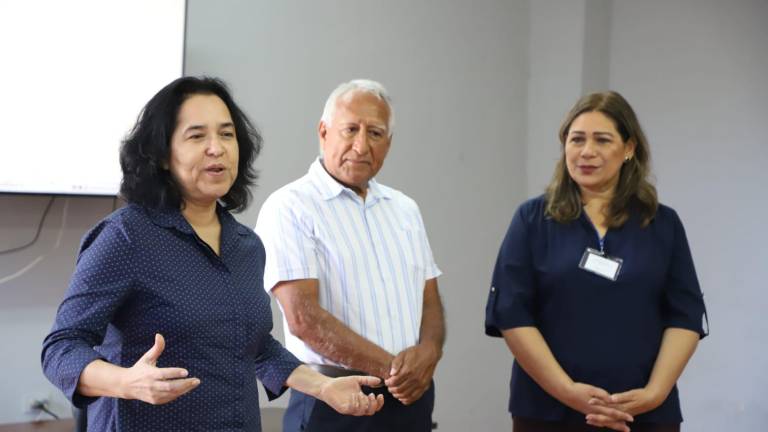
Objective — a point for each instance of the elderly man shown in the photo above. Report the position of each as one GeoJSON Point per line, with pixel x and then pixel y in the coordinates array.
{"type": "Point", "coordinates": [349, 262]}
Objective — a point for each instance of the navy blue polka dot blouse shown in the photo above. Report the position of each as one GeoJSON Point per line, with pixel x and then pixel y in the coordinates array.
{"type": "Point", "coordinates": [141, 272]}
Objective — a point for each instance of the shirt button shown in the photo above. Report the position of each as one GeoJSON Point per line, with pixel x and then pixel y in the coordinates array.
{"type": "Point", "coordinates": [493, 289]}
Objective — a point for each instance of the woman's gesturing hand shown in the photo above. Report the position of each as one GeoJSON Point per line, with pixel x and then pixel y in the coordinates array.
{"type": "Point", "coordinates": [145, 381]}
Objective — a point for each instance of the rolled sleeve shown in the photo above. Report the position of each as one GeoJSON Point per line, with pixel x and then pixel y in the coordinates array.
{"type": "Point", "coordinates": [683, 305]}
{"type": "Point", "coordinates": [273, 367]}
{"type": "Point", "coordinates": [510, 300]}
{"type": "Point", "coordinates": [102, 278]}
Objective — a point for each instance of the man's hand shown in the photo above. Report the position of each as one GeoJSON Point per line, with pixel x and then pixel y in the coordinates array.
{"type": "Point", "coordinates": [411, 372]}
{"type": "Point", "coordinates": [346, 396]}
{"type": "Point", "coordinates": [146, 382]}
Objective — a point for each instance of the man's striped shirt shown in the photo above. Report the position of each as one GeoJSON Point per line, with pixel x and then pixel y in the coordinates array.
{"type": "Point", "coordinates": [371, 258]}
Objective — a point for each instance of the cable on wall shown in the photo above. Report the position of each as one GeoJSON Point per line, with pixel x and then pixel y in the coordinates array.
{"type": "Point", "coordinates": [42, 406]}
{"type": "Point", "coordinates": [37, 233]}
{"type": "Point", "coordinates": [37, 260]}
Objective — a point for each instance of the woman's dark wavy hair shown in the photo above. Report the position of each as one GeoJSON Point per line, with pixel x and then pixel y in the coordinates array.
{"type": "Point", "coordinates": [634, 192]}
{"type": "Point", "coordinates": [146, 150]}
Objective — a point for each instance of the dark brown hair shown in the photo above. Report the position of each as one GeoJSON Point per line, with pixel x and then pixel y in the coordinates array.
{"type": "Point", "coordinates": [634, 192]}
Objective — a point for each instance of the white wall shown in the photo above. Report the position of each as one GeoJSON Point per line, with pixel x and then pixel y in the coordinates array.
{"type": "Point", "coordinates": [569, 43]}
{"type": "Point", "coordinates": [555, 64]}
{"type": "Point", "coordinates": [697, 73]}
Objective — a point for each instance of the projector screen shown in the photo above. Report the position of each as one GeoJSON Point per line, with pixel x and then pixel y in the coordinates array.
{"type": "Point", "coordinates": [76, 74]}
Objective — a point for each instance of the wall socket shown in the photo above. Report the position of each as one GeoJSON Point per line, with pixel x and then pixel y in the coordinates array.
{"type": "Point", "coordinates": [31, 404]}
{"type": "Point", "coordinates": [43, 406]}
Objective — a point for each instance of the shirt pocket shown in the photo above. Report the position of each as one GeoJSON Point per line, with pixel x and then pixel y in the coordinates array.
{"type": "Point", "coordinates": [413, 245]}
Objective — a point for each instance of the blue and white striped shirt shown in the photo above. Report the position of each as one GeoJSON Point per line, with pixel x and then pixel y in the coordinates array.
{"type": "Point", "coordinates": [371, 258]}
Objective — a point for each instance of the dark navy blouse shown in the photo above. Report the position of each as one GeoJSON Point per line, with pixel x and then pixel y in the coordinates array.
{"type": "Point", "coordinates": [141, 272]}
{"type": "Point", "coordinates": [602, 332]}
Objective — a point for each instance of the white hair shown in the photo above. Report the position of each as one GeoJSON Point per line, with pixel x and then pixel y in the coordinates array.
{"type": "Point", "coordinates": [358, 85]}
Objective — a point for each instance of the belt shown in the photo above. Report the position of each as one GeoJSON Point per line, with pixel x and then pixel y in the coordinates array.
{"type": "Point", "coordinates": [335, 371]}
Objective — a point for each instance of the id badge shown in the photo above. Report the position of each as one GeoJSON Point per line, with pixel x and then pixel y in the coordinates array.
{"type": "Point", "coordinates": [600, 264]}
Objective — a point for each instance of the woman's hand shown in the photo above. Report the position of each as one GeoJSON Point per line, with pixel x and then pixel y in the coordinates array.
{"type": "Point", "coordinates": [146, 382]}
{"type": "Point", "coordinates": [596, 403]}
{"type": "Point", "coordinates": [637, 401]}
{"type": "Point", "coordinates": [143, 381]}
{"type": "Point", "coordinates": [345, 395]}
{"type": "Point", "coordinates": [632, 402]}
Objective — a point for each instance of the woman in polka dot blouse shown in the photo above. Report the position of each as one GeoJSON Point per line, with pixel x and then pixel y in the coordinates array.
{"type": "Point", "coordinates": [165, 324]}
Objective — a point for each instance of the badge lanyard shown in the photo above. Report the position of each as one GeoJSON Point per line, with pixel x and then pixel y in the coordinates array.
{"type": "Point", "coordinates": [600, 263]}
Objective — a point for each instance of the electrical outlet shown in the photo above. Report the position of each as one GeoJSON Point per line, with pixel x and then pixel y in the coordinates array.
{"type": "Point", "coordinates": [31, 404]}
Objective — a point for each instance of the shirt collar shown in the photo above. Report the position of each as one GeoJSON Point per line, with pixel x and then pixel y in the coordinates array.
{"type": "Point", "coordinates": [172, 218]}
{"type": "Point", "coordinates": [331, 188]}
{"type": "Point", "coordinates": [169, 218]}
